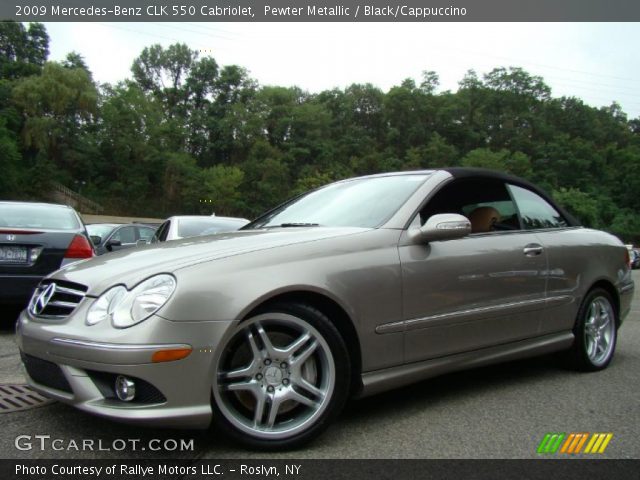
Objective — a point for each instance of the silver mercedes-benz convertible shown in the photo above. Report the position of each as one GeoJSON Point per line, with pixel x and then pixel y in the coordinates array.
{"type": "Point", "coordinates": [354, 288]}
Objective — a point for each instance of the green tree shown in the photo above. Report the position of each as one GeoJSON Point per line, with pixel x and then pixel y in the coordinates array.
{"type": "Point", "coordinates": [581, 205]}
{"type": "Point", "coordinates": [516, 163]}
{"type": "Point", "coordinates": [186, 129]}
{"type": "Point", "coordinates": [436, 153]}
{"type": "Point", "coordinates": [267, 179]}
{"type": "Point", "coordinates": [222, 188]}
{"type": "Point", "coordinates": [10, 179]}
{"type": "Point", "coordinates": [129, 169]}
{"type": "Point", "coordinates": [58, 105]}
{"type": "Point", "coordinates": [430, 82]}
{"type": "Point", "coordinates": [23, 51]}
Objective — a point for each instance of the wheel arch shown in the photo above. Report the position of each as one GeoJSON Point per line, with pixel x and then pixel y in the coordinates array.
{"type": "Point", "coordinates": [610, 288]}
{"type": "Point", "coordinates": [335, 313]}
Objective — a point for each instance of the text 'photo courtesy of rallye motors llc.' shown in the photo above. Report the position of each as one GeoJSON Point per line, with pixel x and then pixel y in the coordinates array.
{"type": "Point", "coordinates": [161, 469]}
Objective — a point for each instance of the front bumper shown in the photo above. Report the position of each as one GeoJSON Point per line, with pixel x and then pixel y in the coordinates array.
{"type": "Point", "coordinates": [64, 363]}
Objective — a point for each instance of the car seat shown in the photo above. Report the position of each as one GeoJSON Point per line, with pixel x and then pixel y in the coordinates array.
{"type": "Point", "coordinates": [483, 219]}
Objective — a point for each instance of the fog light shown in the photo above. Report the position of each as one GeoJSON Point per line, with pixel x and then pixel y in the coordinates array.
{"type": "Point", "coordinates": [125, 388]}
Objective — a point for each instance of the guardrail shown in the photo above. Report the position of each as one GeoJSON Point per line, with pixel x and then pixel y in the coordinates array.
{"type": "Point", "coordinates": [65, 195]}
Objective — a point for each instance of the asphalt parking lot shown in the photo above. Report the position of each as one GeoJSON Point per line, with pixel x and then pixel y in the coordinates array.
{"type": "Point", "coordinates": [501, 411]}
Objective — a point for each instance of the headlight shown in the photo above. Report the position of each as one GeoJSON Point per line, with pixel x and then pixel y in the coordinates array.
{"type": "Point", "coordinates": [102, 308]}
{"type": "Point", "coordinates": [126, 308]}
{"type": "Point", "coordinates": [143, 301]}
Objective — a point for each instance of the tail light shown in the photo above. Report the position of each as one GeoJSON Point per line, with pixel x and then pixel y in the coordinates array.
{"type": "Point", "coordinates": [627, 257]}
{"type": "Point", "coordinates": [79, 248]}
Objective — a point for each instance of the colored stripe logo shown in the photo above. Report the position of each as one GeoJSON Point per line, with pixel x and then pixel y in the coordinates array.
{"type": "Point", "coordinates": [574, 443]}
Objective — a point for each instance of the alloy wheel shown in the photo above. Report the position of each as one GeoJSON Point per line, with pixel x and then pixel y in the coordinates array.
{"type": "Point", "coordinates": [599, 331]}
{"type": "Point", "coordinates": [275, 377]}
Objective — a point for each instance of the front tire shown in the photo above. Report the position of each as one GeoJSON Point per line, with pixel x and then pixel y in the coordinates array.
{"type": "Point", "coordinates": [281, 377]}
{"type": "Point", "coordinates": [596, 332]}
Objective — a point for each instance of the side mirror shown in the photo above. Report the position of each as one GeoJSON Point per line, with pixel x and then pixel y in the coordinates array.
{"type": "Point", "coordinates": [141, 242]}
{"type": "Point", "coordinates": [96, 239]}
{"type": "Point", "coordinates": [113, 243]}
{"type": "Point", "coordinates": [444, 226]}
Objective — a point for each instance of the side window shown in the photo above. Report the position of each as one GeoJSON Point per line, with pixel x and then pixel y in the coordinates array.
{"type": "Point", "coordinates": [507, 215]}
{"type": "Point", "coordinates": [145, 233]}
{"type": "Point", "coordinates": [535, 211]}
{"type": "Point", "coordinates": [125, 235]}
{"type": "Point", "coordinates": [484, 201]}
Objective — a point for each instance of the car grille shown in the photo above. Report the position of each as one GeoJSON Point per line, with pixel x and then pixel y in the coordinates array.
{"type": "Point", "coordinates": [56, 299]}
{"type": "Point", "coordinates": [45, 373]}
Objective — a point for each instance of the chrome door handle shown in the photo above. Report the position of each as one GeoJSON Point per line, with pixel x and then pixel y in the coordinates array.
{"type": "Point", "coordinates": [532, 250]}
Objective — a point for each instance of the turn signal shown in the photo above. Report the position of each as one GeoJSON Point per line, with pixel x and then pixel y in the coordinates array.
{"type": "Point", "coordinates": [170, 355]}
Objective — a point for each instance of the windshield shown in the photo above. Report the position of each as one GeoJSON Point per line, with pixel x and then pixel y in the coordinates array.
{"type": "Point", "coordinates": [192, 227]}
{"type": "Point", "coordinates": [100, 229]}
{"type": "Point", "coordinates": [38, 216]}
{"type": "Point", "coordinates": [364, 202]}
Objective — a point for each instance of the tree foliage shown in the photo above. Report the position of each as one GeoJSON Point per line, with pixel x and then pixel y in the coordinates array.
{"type": "Point", "coordinates": [23, 51]}
{"type": "Point", "coordinates": [187, 135]}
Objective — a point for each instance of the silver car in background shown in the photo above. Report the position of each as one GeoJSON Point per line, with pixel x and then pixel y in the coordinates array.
{"type": "Point", "coordinates": [355, 288]}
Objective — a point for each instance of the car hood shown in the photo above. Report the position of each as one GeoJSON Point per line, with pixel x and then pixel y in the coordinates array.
{"type": "Point", "coordinates": [131, 266]}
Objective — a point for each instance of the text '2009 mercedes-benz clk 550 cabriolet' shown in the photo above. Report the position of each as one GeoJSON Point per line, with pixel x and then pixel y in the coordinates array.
{"type": "Point", "coordinates": [354, 288]}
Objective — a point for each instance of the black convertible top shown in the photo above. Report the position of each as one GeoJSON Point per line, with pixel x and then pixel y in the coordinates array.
{"type": "Point", "coordinates": [461, 172]}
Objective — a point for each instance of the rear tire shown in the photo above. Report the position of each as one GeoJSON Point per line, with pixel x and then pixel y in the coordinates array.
{"type": "Point", "coordinates": [596, 332]}
{"type": "Point", "coordinates": [281, 377]}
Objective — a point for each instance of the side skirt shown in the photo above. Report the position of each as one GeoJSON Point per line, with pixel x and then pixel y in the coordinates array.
{"type": "Point", "coordinates": [390, 378]}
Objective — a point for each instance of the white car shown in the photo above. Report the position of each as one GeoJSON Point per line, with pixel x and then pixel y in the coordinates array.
{"type": "Point", "coordinates": [185, 226]}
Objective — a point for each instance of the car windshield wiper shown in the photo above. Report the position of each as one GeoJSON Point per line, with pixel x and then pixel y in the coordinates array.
{"type": "Point", "coordinates": [298, 224]}
{"type": "Point", "coordinates": [289, 225]}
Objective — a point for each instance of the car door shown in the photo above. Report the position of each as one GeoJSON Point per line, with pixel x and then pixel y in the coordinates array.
{"type": "Point", "coordinates": [124, 237]}
{"type": "Point", "coordinates": [482, 290]}
{"type": "Point", "coordinates": [566, 251]}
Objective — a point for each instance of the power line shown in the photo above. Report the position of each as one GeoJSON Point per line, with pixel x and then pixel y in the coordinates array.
{"type": "Point", "coordinates": [554, 67]}
{"type": "Point", "coordinates": [545, 76]}
{"type": "Point", "coordinates": [208, 34]}
{"type": "Point", "coordinates": [110, 25]}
